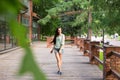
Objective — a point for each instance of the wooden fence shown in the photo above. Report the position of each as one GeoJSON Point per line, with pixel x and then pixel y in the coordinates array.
{"type": "Point", "coordinates": [72, 39]}
{"type": "Point", "coordinates": [111, 57]}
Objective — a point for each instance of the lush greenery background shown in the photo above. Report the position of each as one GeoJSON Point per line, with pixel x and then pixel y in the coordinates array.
{"type": "Point", "coordinates": [105, 15]}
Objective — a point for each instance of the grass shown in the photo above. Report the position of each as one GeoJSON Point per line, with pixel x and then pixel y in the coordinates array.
{"type": "Point", "coordinates": [101, 58]}
{"type": "Point", "coordinates": [119, 38]}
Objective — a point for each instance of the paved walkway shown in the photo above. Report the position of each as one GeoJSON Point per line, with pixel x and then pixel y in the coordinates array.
{"type": "Point", "coordinates": [113, 42]}
{"type": "Point", "coordinates": [75, 65]}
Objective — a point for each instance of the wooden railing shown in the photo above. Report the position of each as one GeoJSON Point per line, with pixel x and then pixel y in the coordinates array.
{"type": "Point", "coordinates": [111, 58]}
{"type": "Point", "coordinates": [112, 62]}
{"type": "Point", "coordinates": [80, 43]}
{"type": "Point", "coordinates": [86, 47]}
{"type": "Point", "coordinates": [113, 69]}
{"type": "Point", "coordinates": [49, 40]}
{"type": "Point", "coordinates": [96, 53]}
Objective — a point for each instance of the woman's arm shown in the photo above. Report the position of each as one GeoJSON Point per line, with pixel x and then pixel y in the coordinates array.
{"type": "Point", "coordinates": [52, 49]}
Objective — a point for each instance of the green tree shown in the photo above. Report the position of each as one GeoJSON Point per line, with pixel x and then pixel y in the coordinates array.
{"type": "Point", "coordinates": [106, 15]}
{"type": "Point", "coordinates": [72, 13]}
{"type": "Point", "coordinates": [41, 8]}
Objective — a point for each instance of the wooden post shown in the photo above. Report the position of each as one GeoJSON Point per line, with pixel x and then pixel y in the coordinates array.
{"type": "Point", "coordinates": [75, 40]}
{"type": "Point", "coordinates": [93, 50]}
{"type": "Point", "coordinates": [19, 18]}
{"type": "Point", "coordinates": [86, 47]}
{"type": "Point", "coordinates": [30, 20]}
{"type": "Point", "coordinates": [78, 42]}
{"type": "Point", "coordinates": [82, 44]}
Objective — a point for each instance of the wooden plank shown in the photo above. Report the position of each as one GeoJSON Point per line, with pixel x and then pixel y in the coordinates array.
{"type": "Point", "coordinates": [75, 65]}
{"type": "Point", "coordinates": [116, 53]}
{"type": "Point", "coordinates": [100, 61]}
{"type": "Point", "coordinates": [116, 74]}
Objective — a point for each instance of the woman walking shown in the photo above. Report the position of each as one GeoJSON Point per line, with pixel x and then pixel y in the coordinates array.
{"type": "Point", "coordinates": [58, 41]}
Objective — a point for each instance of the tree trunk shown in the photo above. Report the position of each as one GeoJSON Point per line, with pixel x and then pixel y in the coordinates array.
{"type": "Point", "coordinates": [89, 24]}
{"type": "Point", "coordinates": [38, 36]}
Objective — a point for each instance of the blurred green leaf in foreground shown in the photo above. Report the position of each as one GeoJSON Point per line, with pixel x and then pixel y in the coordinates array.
{"type": "Point", "coordinates": [11, 9]}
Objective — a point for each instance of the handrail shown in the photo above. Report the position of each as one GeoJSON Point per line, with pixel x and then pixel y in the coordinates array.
{"type": "Point", "coordinates": [115, 74]}
{"type": "Point", "coordinates": [113, 53]}
{"type": "Point", "coordinates": [100, 61]}
{"type": "Point", "coordinates": [98, 46]}
{"type": "Point", "coordinates": [87, 42]}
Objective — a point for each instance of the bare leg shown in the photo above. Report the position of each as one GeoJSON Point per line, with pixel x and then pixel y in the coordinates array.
{"type": "Point", "coordinates": [59, 61]}
{"type": "Point", "coordinates": [60, 56]}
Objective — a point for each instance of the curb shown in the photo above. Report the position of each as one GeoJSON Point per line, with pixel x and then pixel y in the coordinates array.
{"type": "Point", "coordinates": [9, 50]}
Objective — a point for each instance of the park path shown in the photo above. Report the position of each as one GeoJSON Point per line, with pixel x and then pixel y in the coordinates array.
{"type": "Point", "coordinates": [75, 65]}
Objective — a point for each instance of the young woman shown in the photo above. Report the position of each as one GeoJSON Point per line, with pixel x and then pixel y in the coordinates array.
{"type": "Point", "coordinates": [59, 41]}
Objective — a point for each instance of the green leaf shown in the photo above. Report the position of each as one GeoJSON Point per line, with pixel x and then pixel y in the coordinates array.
{"type": "Point", "coordinates": [19, 32]}
{"type": "Point", "coordinates": [29, 65]}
